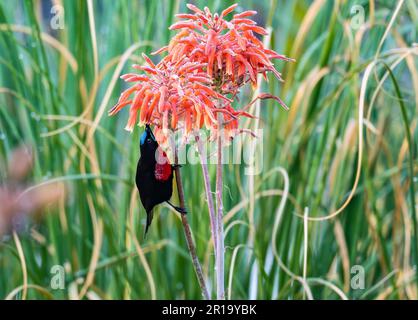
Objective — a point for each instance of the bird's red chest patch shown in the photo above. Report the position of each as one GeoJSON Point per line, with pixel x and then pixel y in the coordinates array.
{"type": "Point", "coordinates": [163, 169]}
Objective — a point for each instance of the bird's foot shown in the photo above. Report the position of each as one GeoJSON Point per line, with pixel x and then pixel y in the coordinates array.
{"type": "Point", "coordinates": [181, 210]}
{"type": "Point", "coordinates": [178, 209]}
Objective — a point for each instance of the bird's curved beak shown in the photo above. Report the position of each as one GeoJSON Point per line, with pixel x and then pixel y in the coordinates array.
{"type": "Point", "coordinates": [149, 132]}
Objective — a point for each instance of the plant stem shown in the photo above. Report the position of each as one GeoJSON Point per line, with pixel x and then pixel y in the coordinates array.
{"type": "Point", "coordinates": [188, 234]}
{"type": "Point", "coordinates": [220, 274]}
{"type": "Point", "coordinates": [208, 191]}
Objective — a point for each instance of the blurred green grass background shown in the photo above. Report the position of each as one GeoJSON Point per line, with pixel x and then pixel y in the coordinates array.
{"type": "Point", "coordinates": [57, 85]}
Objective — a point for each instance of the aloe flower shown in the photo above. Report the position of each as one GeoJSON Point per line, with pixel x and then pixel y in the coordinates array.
{"type": "Point", "coordinates": [207, 63]}
{"type": "Point", "coordinates": [170, 95]}
{"type": "Point", "coordinates": [230, 49]}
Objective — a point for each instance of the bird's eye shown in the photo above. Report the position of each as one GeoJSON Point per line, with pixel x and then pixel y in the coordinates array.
{"type": "Point", "coordinates": [148, 140]}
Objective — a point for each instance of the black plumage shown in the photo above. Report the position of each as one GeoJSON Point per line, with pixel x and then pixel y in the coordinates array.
{"type": "Point", "coordinates": [153, 180]}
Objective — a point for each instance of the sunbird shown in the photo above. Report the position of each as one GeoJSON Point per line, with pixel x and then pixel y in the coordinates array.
{"type": "Point", "coordinates": [154, 179]}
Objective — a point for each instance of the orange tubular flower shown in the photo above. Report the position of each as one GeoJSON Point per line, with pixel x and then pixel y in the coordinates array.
{"type": "Point", "coordinates": [232, 52]}
{"type": "Point", "coordinates": [209, 59]}
{"type": "Point", "coordinates": [168, 94]}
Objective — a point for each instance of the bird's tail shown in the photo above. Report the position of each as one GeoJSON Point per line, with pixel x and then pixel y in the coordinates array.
{"type": "Point", "coordinates": [150, 215]}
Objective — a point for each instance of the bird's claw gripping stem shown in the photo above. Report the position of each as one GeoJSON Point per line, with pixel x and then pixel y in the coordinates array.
{"type": "Point", "coordinates": [181, 210]}
{"type": "Point", "coordinates": [178, 209]}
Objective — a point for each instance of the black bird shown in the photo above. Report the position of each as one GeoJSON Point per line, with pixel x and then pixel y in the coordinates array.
{"type": "Point", "coordinates": [154, 180]}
